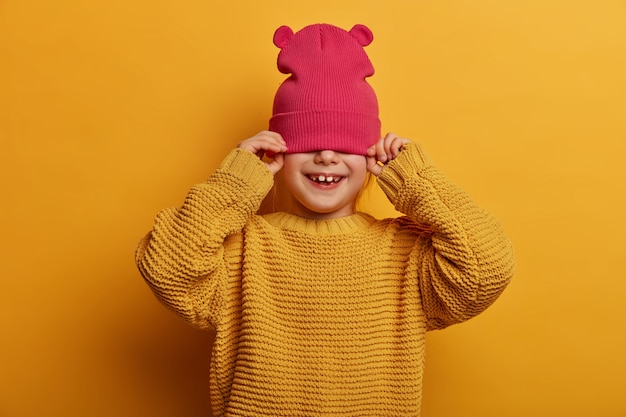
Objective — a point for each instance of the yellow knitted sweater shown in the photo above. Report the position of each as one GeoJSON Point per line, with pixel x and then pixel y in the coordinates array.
{"type": "Point", "coordinates": [323, 317]}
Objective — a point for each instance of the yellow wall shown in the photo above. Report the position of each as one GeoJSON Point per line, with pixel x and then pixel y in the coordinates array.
{"type": "Point", "coordinates": [110, 110]}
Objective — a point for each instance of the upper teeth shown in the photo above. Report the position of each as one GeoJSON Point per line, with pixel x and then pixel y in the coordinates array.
{"type": "Point", "coordinates": [323, 178]}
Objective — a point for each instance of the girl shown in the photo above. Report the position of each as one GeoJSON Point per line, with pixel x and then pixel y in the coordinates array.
{"type": "Point", "coordinates": [323, 310]}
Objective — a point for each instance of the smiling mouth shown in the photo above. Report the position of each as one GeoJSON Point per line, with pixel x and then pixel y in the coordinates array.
{"type": "Point", "coordinates": [325, 180]}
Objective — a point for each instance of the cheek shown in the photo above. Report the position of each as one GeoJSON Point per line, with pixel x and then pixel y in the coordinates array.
{"type": "Point", "coordinates": [358, 168]}
{"type": "Point", "coordinates": [289, 169]}
{"type": "Point", "coordinates": [362, 179]}
{"type": "Point", "coordinates": [290, 176]}
{"type": "Point", "coordinates": [292, 163]}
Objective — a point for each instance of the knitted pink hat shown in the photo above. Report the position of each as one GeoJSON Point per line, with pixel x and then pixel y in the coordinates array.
{"type": "Point", "coordinates": [326, 103]}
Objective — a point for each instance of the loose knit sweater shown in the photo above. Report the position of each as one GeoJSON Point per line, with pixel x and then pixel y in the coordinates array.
{"type": "Point", "coordinates": [323, 317]}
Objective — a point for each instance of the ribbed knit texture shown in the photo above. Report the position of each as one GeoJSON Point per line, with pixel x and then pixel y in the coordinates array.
{"type": "Point", "coordinates": [323, 318]}
{"type": "Point", "coordinates": [326, 103]}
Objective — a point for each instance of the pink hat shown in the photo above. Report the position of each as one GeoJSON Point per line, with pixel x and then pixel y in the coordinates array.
{"type": "Point", "coordinates": [326, 102]}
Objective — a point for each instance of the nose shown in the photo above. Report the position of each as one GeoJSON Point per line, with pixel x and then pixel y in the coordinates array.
{"type": "Point", "coordinates": [326, 157]}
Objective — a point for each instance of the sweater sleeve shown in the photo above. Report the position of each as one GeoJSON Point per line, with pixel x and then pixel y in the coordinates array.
{"type": "Point", "coordinates": [183, 258]}
{"type": "Point", "coordinates": [467, 261]}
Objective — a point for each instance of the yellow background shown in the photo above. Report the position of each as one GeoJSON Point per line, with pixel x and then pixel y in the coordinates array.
{"type": "Point", "coordinates": [110, 110]}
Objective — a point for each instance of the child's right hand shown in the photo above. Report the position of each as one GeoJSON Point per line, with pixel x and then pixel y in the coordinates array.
{"type": "Point", "coordinates": [269, 145]}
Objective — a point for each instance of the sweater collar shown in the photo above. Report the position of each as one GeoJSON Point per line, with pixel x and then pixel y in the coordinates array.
{"type": "Point", "coordinates": [342, 225]}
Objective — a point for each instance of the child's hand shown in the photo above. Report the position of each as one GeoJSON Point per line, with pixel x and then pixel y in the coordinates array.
{"type": "Point", "coordinates": [384, 151]}
{"type": "Point", "coordinates": [269, 145]}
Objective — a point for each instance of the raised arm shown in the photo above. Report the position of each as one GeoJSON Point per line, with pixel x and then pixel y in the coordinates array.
{"type": "Point", "coordinates": [184, 258]}
{"type": "Point", "coordinates": [468, 261]}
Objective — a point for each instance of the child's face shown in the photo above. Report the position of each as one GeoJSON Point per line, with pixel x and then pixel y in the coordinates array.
{"type": "Point", "coordinates": [324, 184]}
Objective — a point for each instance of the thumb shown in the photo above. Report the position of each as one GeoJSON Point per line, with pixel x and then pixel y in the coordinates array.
{"type": "Point", "coordinates": [372, 165]}
{"type": "Point", "coordinates": [277, 160]}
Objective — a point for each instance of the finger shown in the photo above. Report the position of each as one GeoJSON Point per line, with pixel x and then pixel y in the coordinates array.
{"type": "Point", "coordinates": [272, 149]}
{"type": "Point", "coordinates": [276, 163]}
{"type": "Point", "coordinates": [384, 151]}
{"type": "Point", "coordinates": [373, 165]}
{"type": "Point", "coordinates": [380, 153]}
{"type": "Point", "coordinates": [389, 140]}
{"type": "Point", "coordinates": [273, 134]}
{"type": "Point", "coordinates": [273, 138]}
{"type": "Point", "coordinates": [397, 145]}
{"type": "Point", "coordinates": [262, 143]}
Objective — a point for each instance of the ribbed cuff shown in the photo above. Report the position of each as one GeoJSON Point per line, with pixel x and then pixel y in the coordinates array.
{"type": "Point", "coordinates": [247, 167]}
{"type": "Point", "coordinates": [404, 168]}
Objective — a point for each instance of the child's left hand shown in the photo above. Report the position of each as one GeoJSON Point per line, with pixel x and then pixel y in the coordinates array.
{"type": "Point", "coordinates": [383, 152]}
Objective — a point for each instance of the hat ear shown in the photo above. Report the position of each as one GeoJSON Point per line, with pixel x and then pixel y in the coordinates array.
{"type": "Point", "coordinates": [362, 34]}
{"type": "Point", "coordinates": [282, 36]}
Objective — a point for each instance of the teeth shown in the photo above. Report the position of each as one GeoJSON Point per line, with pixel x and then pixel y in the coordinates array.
{"type": "Point", "coordinates": [323, 178]}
